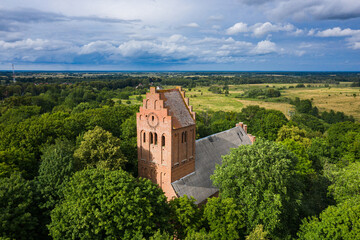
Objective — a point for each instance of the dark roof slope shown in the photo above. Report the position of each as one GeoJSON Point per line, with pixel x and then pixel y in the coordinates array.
{"type": "Point", "coordinates": [208, 153]}
{"type": "Point", "coordinates": [177, 107]}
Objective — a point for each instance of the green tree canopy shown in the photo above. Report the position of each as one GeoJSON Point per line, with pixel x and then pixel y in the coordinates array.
{"type": "Point", "coordinates": [341, 222]}
{"type": "Point", "coordinates": [102, 204]}
{"type": "Point", "coordinates": [225, 218]}
{"type": "Point", "coordinates": [346, 182]}
{"type": "Point", "coordinates": [100, 148]}
{"type": "Point", "coordinates": [57, 166]}
{"type": "Point", "coordinates": [17, 208]}
{"type": "Point", "coordinates": [262, 178]}
{"type": "Point", "coordinates": [185, 216]}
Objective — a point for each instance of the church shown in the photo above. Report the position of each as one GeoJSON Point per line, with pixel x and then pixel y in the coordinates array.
{"type": "Point", "coordinates": [168, 152]}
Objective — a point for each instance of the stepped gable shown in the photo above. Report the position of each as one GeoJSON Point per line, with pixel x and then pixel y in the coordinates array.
{"type": "Point", "coordinates": [208, 153]}
{"type": "Point", "coordinates": [175, 102]}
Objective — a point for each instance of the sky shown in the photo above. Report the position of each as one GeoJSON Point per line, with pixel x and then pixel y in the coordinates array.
{"type": "Point", "coordinates": [180, 35]}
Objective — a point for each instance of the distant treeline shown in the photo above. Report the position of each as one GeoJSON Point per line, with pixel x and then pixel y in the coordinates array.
{"type": "Point", "coordinates": [188, 79]}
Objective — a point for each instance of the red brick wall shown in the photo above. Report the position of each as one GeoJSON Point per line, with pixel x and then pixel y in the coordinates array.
{"type": "Point", "coordinates": [163, 164]}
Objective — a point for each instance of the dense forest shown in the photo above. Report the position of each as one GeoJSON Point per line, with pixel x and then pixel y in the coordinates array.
{"type": "Point", "coordinates": [68, 164]}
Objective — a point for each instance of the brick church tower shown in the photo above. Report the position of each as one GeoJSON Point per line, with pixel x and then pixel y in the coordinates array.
{"type": "Point", "coordinates": [166, 138]}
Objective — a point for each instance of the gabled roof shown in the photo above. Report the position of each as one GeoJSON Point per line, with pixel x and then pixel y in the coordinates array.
{"type": "Point", "coordinates": [178, 109]}
{"type": "Point", "coordinates": [208, 153]}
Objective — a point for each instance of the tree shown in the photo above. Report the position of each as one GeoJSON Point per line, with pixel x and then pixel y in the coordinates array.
{"type": "Point", "coordinates": [57, 166]}
{"type": "Point", "coordinates": [266, 123]}
{"type": "Point", "coordinates": [262, 178]}
{"type": "Point", "coordinates": [310, 122]}
{"type": "Point", "coordinates": [103, 204]}
{"type": "Point", "coordinates": [341, 222]}
{"type": "Point", "coordinates": [17, 208]}
{"type": "Point", "coordinates": [128, 144]}
{"type": "Point", "coordinates": [225, 218]}
{"type": "Point", "coordinates": [257, 234]}
{"type": "Point", "coordinates": [293, 133]}
{"type": "Point", "coordinates": [346, 182]}
{"type": "Point", "coordinates": [343, 139]}
{"type": "Point", "coordinates": [185, 216]}
{"type": "Point", "coordinates": [100, 148]}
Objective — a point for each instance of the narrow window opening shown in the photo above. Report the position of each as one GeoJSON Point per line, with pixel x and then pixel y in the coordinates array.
{"type": "Point", "coordinates": [163, 141]}
{"type": "Point", "coordinates": [151, 138]}
{"type": "Point", "coordinates": [152, 118]}
{"type": "Point", "coordinates": [182, 137]}
{"type": "Point", "coordinates": [185, 136]}
{"type": "Point", "coordinates": [144, 137]}
{"type": "Point", "coordinates": [155, 138]}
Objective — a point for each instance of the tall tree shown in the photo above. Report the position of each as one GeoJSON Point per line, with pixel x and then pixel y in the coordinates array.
{"type": "Point", "coordinates": [225, 218]}
{"type": "Point", "coordinates": [100, 148]}
{"type": "Point", "coordinates": [17, 208]}
{"type": "Point", "coordinates": [185, 216]}
{"type": "Point", "coordinates": [262, 178]}
{"type": "Point", "coordinates": [341, 222]}
{"type": "Point", "coordinates": [103, 204]}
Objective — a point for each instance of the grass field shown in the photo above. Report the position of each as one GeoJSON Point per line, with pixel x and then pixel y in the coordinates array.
{"type": "Point", "coordinates": [335, 97]}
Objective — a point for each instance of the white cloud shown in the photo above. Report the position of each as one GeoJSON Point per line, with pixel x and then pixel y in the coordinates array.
{"type": "Point", "coordinates": [135, 48]}
{"type": "Point", "coordinates": [356, 45]}
{"type": "Point", "coordinates": [192, 25]}
{"type": "Point", "coordinates": [337, 32]}
{"type": "Point", "coordinates": [264, 47]}
{"type": "Point", "coordinates": [176, 38]}
{"type": "Point", "coordinates": [98, 46]}
{"type": "Point", "coordinates": [261, 29]}
{"type": "Point", "coordinates": [239, 27]}
{"type": "Point", "coordinates": [311, 32]}
{"type": "Point", "coordinates": [37, 44]}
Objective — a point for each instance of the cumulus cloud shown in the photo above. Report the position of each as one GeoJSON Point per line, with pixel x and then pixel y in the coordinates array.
{"type": "Point", "coordinates": [37, 44]}
{"type": "Point", "coordinates": [337, 32]}
{"type": "Point", "coordinates": [149, 49]}
{"type": "Point", "coordinates": [97, 46]}
{"type": "Point", "coordinates": [351, 36]}
{"type": "Point", "coordinates": [261, 29]}
{"type": "Point", "coordinates": [176, 38]}
{"type": "Point", "coordinates": [239, 27]}
{"type": "Point", "coordinates": [264, 47]}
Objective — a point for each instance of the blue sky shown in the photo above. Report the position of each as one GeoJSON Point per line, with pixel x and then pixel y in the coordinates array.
{"type": "Point", "coordinates": [234, 35]}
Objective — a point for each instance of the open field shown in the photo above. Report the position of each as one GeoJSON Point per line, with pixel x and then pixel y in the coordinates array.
{"type": "Point", "coordinates": [335, 97]}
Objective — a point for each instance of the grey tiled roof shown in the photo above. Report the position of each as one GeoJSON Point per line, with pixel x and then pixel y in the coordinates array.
{"type": "Point", "coordinates": [177, 108]}
{"type": "Point", "coordinates": [208, 153]}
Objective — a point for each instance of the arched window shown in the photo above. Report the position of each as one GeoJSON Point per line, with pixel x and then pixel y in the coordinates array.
{"type": "Point", "coordinates": [163, 141]}
{"type": "Point", "coordinates": [182, 137]}
{"type": "Point", "coordinates": [155, 138]}
{"type": "Point", "coordinates": [185, 137]}
{"type": "Point", "coordinates": [144, 137]}
{"type": "Point", "coordinates": [151, 138]}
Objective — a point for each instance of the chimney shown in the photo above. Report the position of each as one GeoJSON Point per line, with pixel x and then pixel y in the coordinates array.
{"type": "Point", "coordinates": [240, 124]}
{"type": "Point", "coordinates": [245, 128]}
{"type": "Point", "coordinates": [252, 138]}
